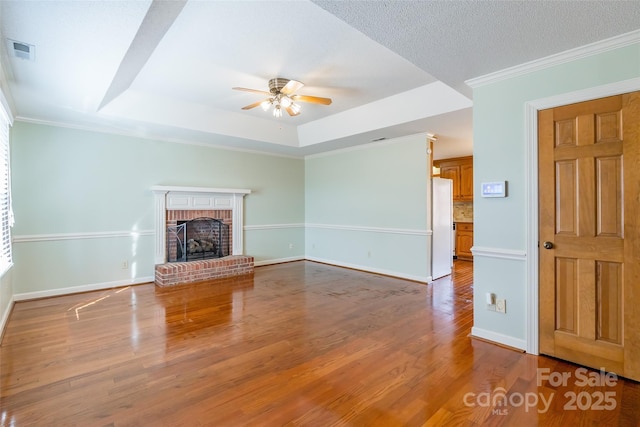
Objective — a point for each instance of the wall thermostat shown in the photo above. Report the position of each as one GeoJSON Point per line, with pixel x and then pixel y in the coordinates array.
{"type": "Point", "coordinates": [494, 189]}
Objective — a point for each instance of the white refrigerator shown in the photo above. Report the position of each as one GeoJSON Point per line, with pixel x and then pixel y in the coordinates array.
{"type": "Point", "coordinates": [442, 219]}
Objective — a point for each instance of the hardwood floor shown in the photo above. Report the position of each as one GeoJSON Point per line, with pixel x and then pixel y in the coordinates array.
{"type": "Point", "coordinates": [296, 344]}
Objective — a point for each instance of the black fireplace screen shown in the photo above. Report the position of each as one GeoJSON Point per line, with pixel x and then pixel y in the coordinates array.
{"type": "Point", "coordinates": [196, 239]}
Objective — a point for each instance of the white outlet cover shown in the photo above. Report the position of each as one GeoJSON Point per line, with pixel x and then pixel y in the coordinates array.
{"type": "Point", "coordinates": [489, 298]}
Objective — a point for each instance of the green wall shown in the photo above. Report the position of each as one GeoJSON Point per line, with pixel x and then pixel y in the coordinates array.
{"type": "Point", "coordinates": [67, 182]}
{"type": "Point", "coordinates": [500, 153]}
{"type": "Point", "coordinates": [83, 205]}
{"type": "Point", "coordinates": [367, 208]}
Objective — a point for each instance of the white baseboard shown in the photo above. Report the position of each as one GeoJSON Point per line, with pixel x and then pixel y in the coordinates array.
{"type": "Point", "coordinates": [278, 260]}
{"type": "Point", "coordinates": [422, 279]}
{"type": "Point", "coordinates": [5, 317]}
{"type": "Point", "coordinates": [119, 283]}
{"type": "Point", "coordinates": [499, 338]}
{"type": "Point", "coordinates": [82, 288]}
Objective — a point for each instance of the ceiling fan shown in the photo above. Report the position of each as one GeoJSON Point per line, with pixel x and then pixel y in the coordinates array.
{"type": "Point", "coordinates": [281, 96]}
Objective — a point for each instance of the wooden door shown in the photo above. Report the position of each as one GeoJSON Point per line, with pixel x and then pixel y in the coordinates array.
{"type": "Point", "coordinates": [589, 198]}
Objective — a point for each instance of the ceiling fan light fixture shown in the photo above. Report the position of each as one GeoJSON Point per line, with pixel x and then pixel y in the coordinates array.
{"type": "Point", "coordinates": [266, 104]}
{"type": "Point", "coordinates": [286, 102]}
{"type": "Point", "coordinates": [282, 96]}
{"type": "Point", "coordinates": [295, 108]}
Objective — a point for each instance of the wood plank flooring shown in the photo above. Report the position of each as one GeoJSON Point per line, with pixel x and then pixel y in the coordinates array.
{"type": "Point", "coordinates": [295, 344]}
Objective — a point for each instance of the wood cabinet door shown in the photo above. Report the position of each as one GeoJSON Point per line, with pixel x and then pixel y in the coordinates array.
{"type": "Point", "coordinates": [589, 186]}
{"type": "Point", "coordinates": [464, 243]}
{"type": "Point", "coordinates": [466, 181]}
{"type": "Point", "coordinates": [453, 173]}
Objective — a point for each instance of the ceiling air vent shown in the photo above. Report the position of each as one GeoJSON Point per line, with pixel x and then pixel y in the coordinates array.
{"type": "Point", "coordinates": [22, 50]}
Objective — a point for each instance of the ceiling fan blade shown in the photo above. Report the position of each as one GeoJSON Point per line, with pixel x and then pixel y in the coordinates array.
{"type": "Point", "coordinates": [254, 105]}
{"type": "Point", "coordinates": [244, 89]}
{"type": "Point", "coordinates": [291, 87]}
{"type": "Point", "coordinates": [291, 111]}
{"type": "Point", "coordinates": [312, 99]}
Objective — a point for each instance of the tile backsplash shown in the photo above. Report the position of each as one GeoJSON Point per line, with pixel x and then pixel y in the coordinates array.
{"type": "Point", "coordinates": [463, 211]}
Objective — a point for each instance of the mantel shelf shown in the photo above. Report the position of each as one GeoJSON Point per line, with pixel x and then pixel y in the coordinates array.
{"type": "Point", "coordinates": [177, 189]}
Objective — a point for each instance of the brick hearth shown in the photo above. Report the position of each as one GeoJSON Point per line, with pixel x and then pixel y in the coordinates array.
{"type": "Point", "coordinates": [175, 273]}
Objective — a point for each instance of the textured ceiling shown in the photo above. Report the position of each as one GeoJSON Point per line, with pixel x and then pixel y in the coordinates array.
{"type": "Point", "coordinates": [458, 40]}
{"type": "Point", "coordinates": [165, 69]}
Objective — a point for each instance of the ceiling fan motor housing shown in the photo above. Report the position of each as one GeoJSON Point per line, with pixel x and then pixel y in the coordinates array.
{"type": "Point", "coordinates": [276, 85]}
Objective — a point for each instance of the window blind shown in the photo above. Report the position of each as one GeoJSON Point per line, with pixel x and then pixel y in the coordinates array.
{"type": "Point", "coordinates": [6, 214]}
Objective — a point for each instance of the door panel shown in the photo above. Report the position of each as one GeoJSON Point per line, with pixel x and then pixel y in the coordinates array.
{"type": "Point", "coordinates": [567, 295]}
{"type": "Point", "coordinates": [589, 205]}
{"type": "Point", "coordinates": [609, 196]}
{"type": "Point", "coordinates": [566, 195]}
{"type": "Point", "coordinates": [609, 291]}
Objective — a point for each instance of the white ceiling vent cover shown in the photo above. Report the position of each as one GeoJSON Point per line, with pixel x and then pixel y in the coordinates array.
{"type": "Point", "coordinates": [22, 50]}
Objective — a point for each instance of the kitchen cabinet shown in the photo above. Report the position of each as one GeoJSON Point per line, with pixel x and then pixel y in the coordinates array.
{"type": "Point", "coordinates": [466, 181]}
{"type": "Point", "coordinates": [464, 240]}
{"type": "Point", "coordinates": [453, 173]}
{"type": "Point", "coordinates": [460, 170]}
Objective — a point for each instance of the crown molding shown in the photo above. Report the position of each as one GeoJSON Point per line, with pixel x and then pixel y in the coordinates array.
{"type": "Point", "coordinates": [144, 136]}
{"type": "Point", "coordinates": [5, 96]}
{"type": "Point", "coordinates": [595, 48]}
{"type": "Point", "coordinates": [365, 146]}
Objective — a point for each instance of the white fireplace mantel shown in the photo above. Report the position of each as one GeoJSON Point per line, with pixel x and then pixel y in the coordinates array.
{"type": "Point", "coordinates": [197, 198]}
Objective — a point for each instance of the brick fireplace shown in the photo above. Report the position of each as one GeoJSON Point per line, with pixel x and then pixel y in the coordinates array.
{"type": "Point", "coordinates": [177, 204]}
{"type": "Point", "coordinates": [179, 239]}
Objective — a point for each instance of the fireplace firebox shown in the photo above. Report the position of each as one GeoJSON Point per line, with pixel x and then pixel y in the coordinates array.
{"type": "Point", "coordinates": [197, 239]}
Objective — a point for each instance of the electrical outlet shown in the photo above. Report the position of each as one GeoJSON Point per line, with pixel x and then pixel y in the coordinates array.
{"type": "Point", "coordinates": [501, 305]}
{"type": "Point", "coordinates": [368, 254]}
{"type": "Point", "coordinates": [290, 245]}
{"type": "Point", "coordinates": [125, 264]}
